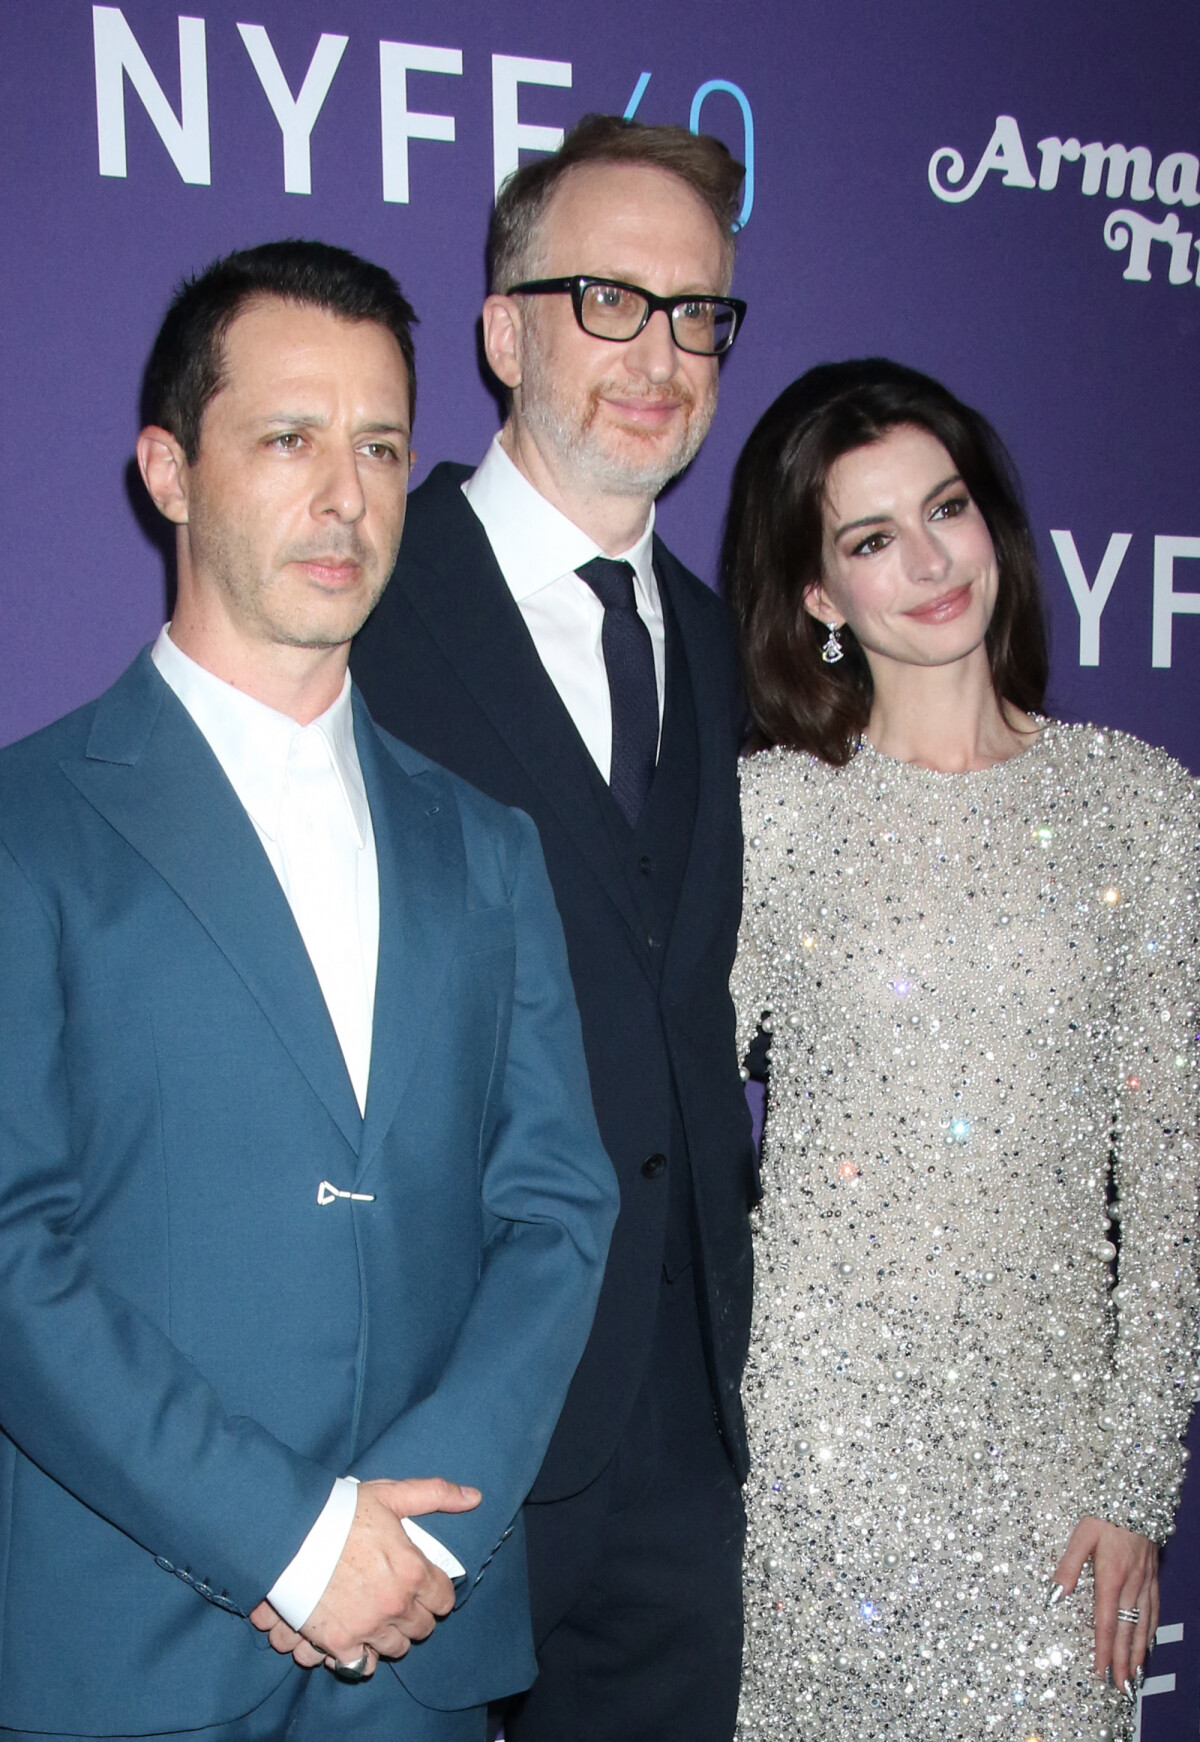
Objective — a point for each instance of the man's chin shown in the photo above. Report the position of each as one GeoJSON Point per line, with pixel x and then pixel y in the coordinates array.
{"type": "Point", "coordinates": [332, 629]}
{"type": "Point", "coordinates": [647, 455]}
{"type": "Point", "coordinates": [639, 466]}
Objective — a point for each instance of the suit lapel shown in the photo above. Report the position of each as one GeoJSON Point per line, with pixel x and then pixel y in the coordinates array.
{"type": "Point", "coordinates": [455, 586]}
{"type": "Point", "coordinates": [149, 772]}
{"type": "Point", "coordinates": [421, 894]}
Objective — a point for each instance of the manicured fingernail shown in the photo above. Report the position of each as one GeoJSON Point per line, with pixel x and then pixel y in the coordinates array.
{"type": "Point", "coordinates": [1108, 1678]}
{"type": "Point", "coordinates": [1139, 1676]}
{"type": "Point", "coordinates": [1055, 1596]}
{"type": "Point", "coordinates": [1127, 1687]}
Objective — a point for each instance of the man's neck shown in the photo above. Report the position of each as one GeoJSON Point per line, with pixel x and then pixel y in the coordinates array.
{"type": "Point", "coordinates": [301, 682]}
{"type": "Point", "coordinates": [614, 522]}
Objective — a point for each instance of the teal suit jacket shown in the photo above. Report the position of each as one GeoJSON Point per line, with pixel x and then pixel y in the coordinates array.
{"type": "Point", "coordinates": [193, 1345]}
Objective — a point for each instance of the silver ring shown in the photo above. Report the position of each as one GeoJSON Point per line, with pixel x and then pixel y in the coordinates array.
{"type": "Point", "coordinates": [1133, 1616]}
{"type": "Point", "coordinates": [352, 1672]}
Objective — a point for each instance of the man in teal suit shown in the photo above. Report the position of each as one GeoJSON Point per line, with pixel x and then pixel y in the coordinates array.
{"type": "Point", "coordinates": [300, 1186]}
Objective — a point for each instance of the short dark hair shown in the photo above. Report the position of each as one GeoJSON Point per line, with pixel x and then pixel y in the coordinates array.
{"type": "Point", "coordinates": [702, 162]}
{"type": "Point", "coordinates": [774, 532]}
{"type": "Point", "coordinates": [186, 363]}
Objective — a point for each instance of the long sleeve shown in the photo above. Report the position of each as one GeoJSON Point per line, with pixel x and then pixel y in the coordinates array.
{"type": "Point", "coordinates": [1157, 1161]}
{"type": "Point", "coordinates": [751, 981]}
{"type": "Point", "coordinates": [548, 1199]}
{"type": "Point", "coordinates": [94, 1391]}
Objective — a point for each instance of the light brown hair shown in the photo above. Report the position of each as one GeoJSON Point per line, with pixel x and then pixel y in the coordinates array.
{"type": "Point", "coordinates": [702, 162]}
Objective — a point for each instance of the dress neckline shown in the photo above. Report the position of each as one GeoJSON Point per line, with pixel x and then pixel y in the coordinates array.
{"type": "Point", "coordinates": [868, 753]}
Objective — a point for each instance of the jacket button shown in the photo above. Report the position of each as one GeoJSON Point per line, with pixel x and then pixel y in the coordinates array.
{"type": "Point", "coordinates": [653, 1166]}
{"type": "Point", "coordinates": [644, 864]}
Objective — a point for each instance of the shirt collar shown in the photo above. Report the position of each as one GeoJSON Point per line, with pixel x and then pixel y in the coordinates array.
{"type": "Point", "coordinates": [534, 542]}
{"type": "Point", "coordinates": [252, 742]}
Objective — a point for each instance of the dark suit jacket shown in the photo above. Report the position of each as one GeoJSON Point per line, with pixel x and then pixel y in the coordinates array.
{"type": "Point", "coordinates": [446, 660]}
{"type": "Point", "coordinates": [191, 1345]}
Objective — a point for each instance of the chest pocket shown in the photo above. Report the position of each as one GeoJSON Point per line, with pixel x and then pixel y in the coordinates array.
{"type": "Point", "coordinates": [487, 928]}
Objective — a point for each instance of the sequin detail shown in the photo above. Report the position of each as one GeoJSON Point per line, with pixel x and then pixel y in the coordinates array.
{"type": "Point", "coordinates": [967, 1020]}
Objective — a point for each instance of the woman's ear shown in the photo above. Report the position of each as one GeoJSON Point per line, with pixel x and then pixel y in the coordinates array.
{"type": "Point", "coordinates": [817, 604]}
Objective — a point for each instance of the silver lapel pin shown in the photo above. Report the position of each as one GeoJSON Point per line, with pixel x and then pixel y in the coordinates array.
{"type": "Point", "coordinates": [327, 1194]}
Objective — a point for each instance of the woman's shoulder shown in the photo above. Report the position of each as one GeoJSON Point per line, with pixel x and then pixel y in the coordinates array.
{"type": "Point", "coordinates": [1118, 764]}
{"type": "Point", "coordinates": [1133, 793]}
{"type": "Point", "coordinates": [776, 783]}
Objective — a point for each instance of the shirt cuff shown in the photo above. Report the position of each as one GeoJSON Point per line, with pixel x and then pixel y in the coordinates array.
{"type": "Point", "coordinates": [301, 1584]}
{"type": "Point", "coordinates": [435, 1552]}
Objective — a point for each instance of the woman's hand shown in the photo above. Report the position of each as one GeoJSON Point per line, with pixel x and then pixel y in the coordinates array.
{"type": "Point", "coordinates": [1125, 1576]}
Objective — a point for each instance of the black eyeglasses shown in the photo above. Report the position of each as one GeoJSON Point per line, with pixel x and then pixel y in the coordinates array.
{"type": "Point", "coordinates": [607, 309]}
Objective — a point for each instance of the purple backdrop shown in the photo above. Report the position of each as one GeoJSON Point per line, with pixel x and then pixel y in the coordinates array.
{"type": "Point", "coordinates": [930, 181]}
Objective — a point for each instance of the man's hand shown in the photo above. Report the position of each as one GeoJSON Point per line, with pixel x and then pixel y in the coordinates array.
{"type": "Point", "coordinates": [384, 1593]}
{"type": "Point", "coordinates": [1124, 1576]}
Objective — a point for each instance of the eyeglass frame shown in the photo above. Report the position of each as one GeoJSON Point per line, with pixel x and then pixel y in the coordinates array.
{"type": "Point", "coordinates": [578, 283]}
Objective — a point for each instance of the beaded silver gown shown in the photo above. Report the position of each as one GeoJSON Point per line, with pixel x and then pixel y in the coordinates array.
{"type": "Point", "coordinates": [981, 996]}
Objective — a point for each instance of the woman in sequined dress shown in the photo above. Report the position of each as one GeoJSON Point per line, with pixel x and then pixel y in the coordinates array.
{"type": "Point", "coordinates": [972, 936]}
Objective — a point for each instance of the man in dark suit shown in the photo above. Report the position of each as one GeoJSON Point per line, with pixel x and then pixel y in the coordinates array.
{"type": "Point", "coordinates": [300, 1187]}
{"type": "Point", "coordinates": [542, 642]}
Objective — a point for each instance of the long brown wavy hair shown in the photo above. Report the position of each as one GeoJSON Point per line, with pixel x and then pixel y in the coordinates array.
{"type": "Point", "coordinates": [774, 535]}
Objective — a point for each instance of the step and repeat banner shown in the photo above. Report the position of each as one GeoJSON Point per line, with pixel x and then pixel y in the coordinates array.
{"type": "Point", "coordinates": [1006, 195]}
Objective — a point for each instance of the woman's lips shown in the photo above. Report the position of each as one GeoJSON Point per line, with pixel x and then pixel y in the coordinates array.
{"type": "Point", "coordinates": [945, 609]}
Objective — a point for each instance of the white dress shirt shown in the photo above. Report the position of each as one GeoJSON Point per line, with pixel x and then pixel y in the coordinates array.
{"type": "Point", "coordinates": [538, 551]}
{"type": "Point", "coordinates": [302, 788]}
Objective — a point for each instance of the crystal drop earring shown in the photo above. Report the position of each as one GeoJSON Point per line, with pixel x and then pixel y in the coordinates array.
{"type": "Point", "coordinates": [833, 649]}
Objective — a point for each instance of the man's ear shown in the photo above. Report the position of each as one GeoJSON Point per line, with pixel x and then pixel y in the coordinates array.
{"type": "Point", "coordinates": [502, 336]}
{"type": "Point", "coordinates": [163, 466]}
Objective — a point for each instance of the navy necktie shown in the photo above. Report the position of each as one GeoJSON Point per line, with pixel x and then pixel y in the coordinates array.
{"type": "Point", "coordinates": [629, 662]}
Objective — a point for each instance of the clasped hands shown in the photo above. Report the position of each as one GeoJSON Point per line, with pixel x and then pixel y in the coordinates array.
{"type": "Point", "coordinates": [1124, 1577]}
{"type": "Point", "coordinates": [384, 1594]}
